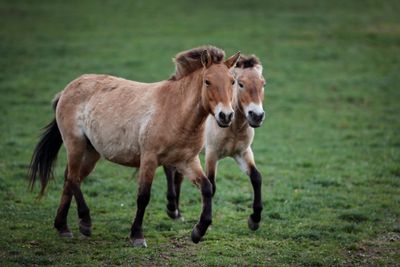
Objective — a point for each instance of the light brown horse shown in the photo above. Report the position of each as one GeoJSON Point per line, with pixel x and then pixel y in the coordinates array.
{"type": "Point", "coordinates": [233, 141]}
{"type": "Point", "coordinates": [125, 122]}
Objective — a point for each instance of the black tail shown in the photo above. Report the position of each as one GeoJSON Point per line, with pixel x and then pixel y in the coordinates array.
{"type": "Point", "coordinates": [45, 156]}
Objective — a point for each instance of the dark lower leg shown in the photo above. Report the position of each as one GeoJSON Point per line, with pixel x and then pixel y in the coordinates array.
{"type": "Point", "coordinates": [206, 214]}
{"type": "Point", "coordinates": [211, 177]}
{"type": "Point", "coordinates": [60, 222]}
{"type": "Point", "coordinates": [83, 210]}
{"type": "Point", "coordinates": [142, 201]}
{"type": "Point", "coordinates": [256, 180]}
{"type": "Point", "coordinates": [171, 193]}
{"type": "Point", "coordinates": [178, 182]}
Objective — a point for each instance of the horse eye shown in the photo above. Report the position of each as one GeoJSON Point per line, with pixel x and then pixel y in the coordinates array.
{"type": "Point", "coordinates": [241, 85]}
{"type": "Point", "coordinates": [207, 82]}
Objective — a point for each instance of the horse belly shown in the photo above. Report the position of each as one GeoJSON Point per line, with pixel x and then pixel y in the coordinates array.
{"type": "Point", "coordinates": [120, 154]}
{"type": "Point", "coordinates": [117, 149]}
{"type": "Point", "coordinates": [116, 140]}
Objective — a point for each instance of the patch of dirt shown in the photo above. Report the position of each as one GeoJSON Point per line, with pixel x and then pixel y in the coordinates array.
{"type": "Point", "coordinates": [383, 250]}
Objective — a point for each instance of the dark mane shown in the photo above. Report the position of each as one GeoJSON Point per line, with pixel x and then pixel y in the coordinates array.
{"type": "Point", "coordinates": [188, 61]}
{"type": "Point", "coordinates": [247, 62]}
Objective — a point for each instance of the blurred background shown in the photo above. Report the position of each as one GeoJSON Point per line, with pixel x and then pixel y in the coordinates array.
{"type": "Point", "coordinates": [328, 150]}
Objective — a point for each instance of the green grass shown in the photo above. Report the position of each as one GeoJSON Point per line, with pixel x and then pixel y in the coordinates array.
{"type": "Point", "coordinates": [329, 151]}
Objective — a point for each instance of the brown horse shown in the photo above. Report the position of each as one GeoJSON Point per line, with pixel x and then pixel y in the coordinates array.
{"type": "Point", "coordinates": [124, 121]}
{"type": "Point", "coordinates": [233, 141]}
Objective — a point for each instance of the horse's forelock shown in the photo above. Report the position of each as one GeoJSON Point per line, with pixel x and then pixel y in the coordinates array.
{"type": "Point", "coordinates": [189, 61]}
{"type": "Point", "coordinates": [248, 62]}
{"type": "Point", "coordinates": [194, 54]}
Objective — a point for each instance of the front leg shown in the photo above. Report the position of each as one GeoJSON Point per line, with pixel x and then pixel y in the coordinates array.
{"type": "Point", "coordinates": [146, 176]}
{"type": "Point", "coordinates": [246, 163]}
{"type": "Point", "coordinates": [256, 181]}
{"type": "Point", "coordinates": [193, 171]}
{"type": "Point", "coordinates": [211, 168]}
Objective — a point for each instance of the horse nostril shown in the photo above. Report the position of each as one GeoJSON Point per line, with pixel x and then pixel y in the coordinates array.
{"type": "Point", "coordinates": [230, 116]}
{"type": "Point", "coordinates": [259, 117]}
{"type": "Point", "coordinates": [221, 116]}
{"type": "Point", "coordinates": [256, 117]}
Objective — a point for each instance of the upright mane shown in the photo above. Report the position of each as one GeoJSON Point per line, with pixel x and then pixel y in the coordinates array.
{"type": "Point", "coordinates": [248, 62]}
{"type": "Point", "coordinates": [189, 61]}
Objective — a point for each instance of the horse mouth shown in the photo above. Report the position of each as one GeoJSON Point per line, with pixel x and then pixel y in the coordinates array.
{"type": "Point", "coordinates": [254, 125]}
{"type": "Point", "coordinates": [223, 125]}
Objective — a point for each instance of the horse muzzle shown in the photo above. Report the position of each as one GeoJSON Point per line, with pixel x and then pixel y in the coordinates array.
{"type": "Point", "coordinates": [224, 119]}
{"type": "Point", "coordinates": [255, 119]}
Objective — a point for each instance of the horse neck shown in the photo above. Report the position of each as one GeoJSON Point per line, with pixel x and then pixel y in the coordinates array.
{"type": "Point", "coordinates": [193, 115]}
{"type": "Point", "coordinates": [240, 122]}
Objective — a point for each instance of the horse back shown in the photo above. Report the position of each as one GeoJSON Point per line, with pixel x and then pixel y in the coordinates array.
{"type": "Point", "coordinates": [111, 112]}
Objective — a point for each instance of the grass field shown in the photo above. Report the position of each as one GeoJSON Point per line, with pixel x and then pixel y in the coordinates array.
{"type": "Point", "coordinates": [329, 150]}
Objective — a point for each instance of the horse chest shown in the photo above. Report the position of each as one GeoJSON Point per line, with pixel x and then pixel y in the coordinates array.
{"type": "Point", "coordinates": [230, 143]}
{"type": "Point", "coordinates": [232, 147]}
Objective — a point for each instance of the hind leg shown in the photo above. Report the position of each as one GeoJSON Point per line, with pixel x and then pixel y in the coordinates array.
{"type": "Point", "coordinates": [178, 182]}
{"type": "Point", "coordinates": [60, 222]}
{"type": "Point", "coordinates": [172, 210]}
{"type": "Point", "coordinates": [87, 165]}
{"type": "Point", "coordinates": [174, 180]}
{"type": "Point", "coordinates": [82, 160]}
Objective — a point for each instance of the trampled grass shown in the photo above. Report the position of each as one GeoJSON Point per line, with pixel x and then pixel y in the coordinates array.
{"type": "Point", "coordinates": [329, 151]}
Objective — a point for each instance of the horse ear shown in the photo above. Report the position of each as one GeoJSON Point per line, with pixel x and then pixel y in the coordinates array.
{"type": "Point", "coordinates": [205, 59]}
{"type": "Point", "coordinates": [231, 62]}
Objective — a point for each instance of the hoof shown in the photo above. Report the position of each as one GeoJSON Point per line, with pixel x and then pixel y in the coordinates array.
{"type": "Point", "coordinates": [174, 214]}
{"type": "Point", "coordinates": [65, 234]}
{"type": "Point", "coordinates": [85, 229]}
{"type": "Point", "coordinates": [196, 236]}
{"type": "Point", "coordinates": [140, 242]}
{"type": "Point", "coordinates": [252, 225]}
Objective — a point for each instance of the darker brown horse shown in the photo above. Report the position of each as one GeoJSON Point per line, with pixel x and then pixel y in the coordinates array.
{"type": "Point", "coordinates": [233, 141]}
{"type": "Point", "coordinates": [124, 121]}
